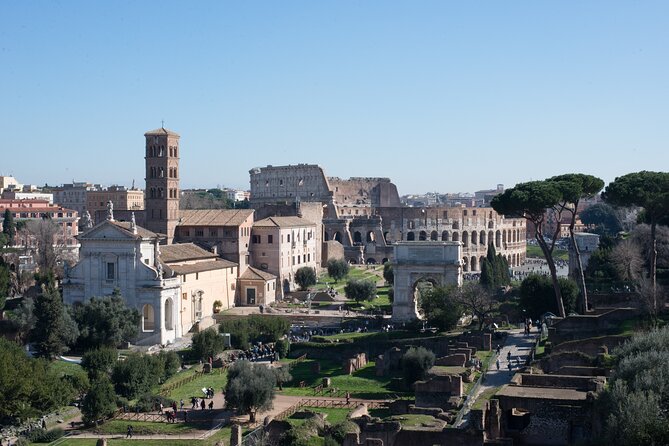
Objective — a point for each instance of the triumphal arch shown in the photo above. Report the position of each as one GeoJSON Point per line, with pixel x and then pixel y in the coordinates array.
{"type": "Point", "coordinates": [438, 263]}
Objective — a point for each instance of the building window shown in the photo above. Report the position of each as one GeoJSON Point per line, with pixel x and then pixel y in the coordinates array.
{"type": "Point", "coordinates": [184, 296]}
{"type": "Point", "coordinates": [213, 233]}
{"type": "Point", "coordinates": [199, 233]}
{"type": "Point", "coordinates": [185, 232]}
{"type": "Point", "coordinates": [255, 239]}
{"type": "Point", "coordinates": [270, 239]}
{"type": "Point", "coordinates": [111, 271]}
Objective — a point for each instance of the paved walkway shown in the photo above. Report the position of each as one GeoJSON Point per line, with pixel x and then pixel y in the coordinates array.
{"type": "Point", "coordinates": [519, 346]}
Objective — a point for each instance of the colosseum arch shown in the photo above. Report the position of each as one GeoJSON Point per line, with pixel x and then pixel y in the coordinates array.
{"type": "Point", "coordinates": [357, 237]}
{"type": "Point", "coordinates": [433, 262]}
{"type": "Point", "coordinates": [475, 238]}
{"type": "Point", "coordinates": [474, 266]}
{"type": "Point", "coordinates": [337, 237]}
{"type": "Point", "coordinates": [434, 236]}
{"type": "Point", "coordinates": [465, 238]}
{"type": "Point", "coordinates": [370, 236]}
{"type": "Point", "coordinates": [498, 239]}
{"type": "Point", "coordinates": [411, 236]}
{"type": "Point", "coordinates": [491, 237]}
{"type": "Point", "coordinates": [444, 236]}
{"type": "Point", "coordinates": [422, 236]}
{"type": "Point", "coordinates": [482, 238]}
{"type": "Point", "coordinates": [456, 236]}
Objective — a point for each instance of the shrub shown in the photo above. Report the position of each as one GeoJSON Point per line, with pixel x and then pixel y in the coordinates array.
{"type": "Point", "coordinates": [415, 364]}
{"type": "Point", "coordinates": [207, 343]}
{"type": "Point", "coordinates": [137, 374]}
{"type": "Point", "coordinates": [147, 402]}
{"type": "Point", "coordinates": [338, 431]}
{"type": "Point", "coordinates": [45, 436]}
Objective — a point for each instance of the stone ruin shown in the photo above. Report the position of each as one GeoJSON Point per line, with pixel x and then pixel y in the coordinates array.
{"type": "Point", "coordinates": [357, 362]}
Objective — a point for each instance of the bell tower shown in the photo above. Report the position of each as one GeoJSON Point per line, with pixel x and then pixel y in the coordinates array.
{"type": "Point", "coordinates": [162, 182]}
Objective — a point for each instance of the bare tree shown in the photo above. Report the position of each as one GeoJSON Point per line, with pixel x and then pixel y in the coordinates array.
{"type": "Point", "coordinates": [651, 296]}
{"type": "Point", "coordinates": [627, 260]}
{"type": "Point", "coordinates": [47, 241]}
{"type": "Point", "coordinates": [475, 299]}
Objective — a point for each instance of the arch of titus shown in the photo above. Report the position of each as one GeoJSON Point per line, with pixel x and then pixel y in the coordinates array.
{"type": "Point", "coordinates": [437, 262]}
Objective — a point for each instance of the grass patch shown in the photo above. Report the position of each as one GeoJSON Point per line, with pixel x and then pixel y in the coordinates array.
{"type": "Point", "coordinates": [374, 273]}
{"type": "Point", "coordinates": [124, 442]}
{"type": "Point", "coordinates": [361, 384]}
{"type": "Point", "coordinates": [66, 368]}
{"type": "Point", "coordinates": [334, 415]}
{"type": "Point", "coordinates": [144, 428]}
{"type": "Point", "coordinates": [536, 252]}
{"type": "Point", "coordinates": [417, 420]}
{"type": "Point", "coordinates": [194, 388]}
{"type": "Point", "coordinates": [485, 396]}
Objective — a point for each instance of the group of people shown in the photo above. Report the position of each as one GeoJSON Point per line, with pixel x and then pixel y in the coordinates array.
{"type": "Point", "coordinates": [200, 402]}
{"type": "Point", "coordinates": [257, 352]}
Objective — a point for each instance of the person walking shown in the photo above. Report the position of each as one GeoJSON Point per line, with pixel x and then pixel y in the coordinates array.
{"type": "Point", "coordinates": [211, 404]}
{"type": "Point", "coordinates": [129, 433]}
{"type": "Point", "coordinates": [181, 404]}
{"type": "Point", "coordinates": [497, 363]}
{"type": "Point", "coordinates": [203, 404]}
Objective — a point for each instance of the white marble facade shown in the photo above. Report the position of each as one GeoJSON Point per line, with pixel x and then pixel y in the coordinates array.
{"type": "Point", "coordinates": [121, 255]}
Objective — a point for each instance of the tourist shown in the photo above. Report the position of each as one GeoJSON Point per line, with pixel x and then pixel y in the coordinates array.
{"type": "Point", "coordinates": [508, 356]}
{"type": "Point", "coordinates": [497, 363]}
{"type": "Point", "coordinates": [211, 404]}
{"type": "Point", "coordinates": [203, 404]}
{"type": "Point", "coordinates": [129, 433]}
{"type": "Point", "coordinates": [181, 404]}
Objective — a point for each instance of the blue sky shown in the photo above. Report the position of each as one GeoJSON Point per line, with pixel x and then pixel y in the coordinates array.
{"type": "Point", "coordinates": [438, 96]}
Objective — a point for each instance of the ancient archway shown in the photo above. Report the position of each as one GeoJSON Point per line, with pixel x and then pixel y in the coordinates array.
{"type": "Point", "coordinates": [435, 262]}
{"type": "Point", "coordinates": [434, 236]}
{"type": "Point", "coordinates": [357, 237]}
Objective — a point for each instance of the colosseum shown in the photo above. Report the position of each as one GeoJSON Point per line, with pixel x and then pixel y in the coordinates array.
{"type": "Point", "coordinates": [366, 216]}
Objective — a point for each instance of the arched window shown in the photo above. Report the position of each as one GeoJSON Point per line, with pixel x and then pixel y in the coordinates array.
{"type": "Point", "coordinates": [444, 236]}
{"type": "Point", "coordinates": [482, 240]}
{"type": "Point", "coordinates": [498, 239]}
{"type": "Point", "coordinates": [370, 236]}
{"type": "Point", "coordinates": [465, 264]}
{"type": "Point", "coordinates": [465, 238]}
{"type": "Point", "coordinates": [434, 235]}
{"type": "Point", "coordinates": [357, 237]}
{"type": "Point", "coordinates": [456, 237]}
{"type": "Point", "coordinates": [148, 318]}
{"type": "Point", "coordinates": [475, 237]}
{"type": "Point", "coordinates": [411, 236]}
{"type": "Point", "coordinates": [474, 268]}
{"type": "Point", "coordinates": [422, 236]}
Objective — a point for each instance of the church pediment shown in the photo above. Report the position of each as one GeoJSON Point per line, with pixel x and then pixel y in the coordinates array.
{"type": "Point", "coordinates": [107, 230]}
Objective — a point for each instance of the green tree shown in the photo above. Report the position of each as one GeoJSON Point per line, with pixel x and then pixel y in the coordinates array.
{"type": "Point", "coordinates": [28, 387]}
{"type": "Point", "coordinates": [494, 270]}
{"type": "Point", "coordinates": [99, 361]}
{"type": "Point", "coordinates": [576, 187]}
{"type": "Point", "coordinates": [282, 375]}
{"type": "Point", "coordinates": [54, 329]}
{"type": "Point", "coordinates": [647, 190]}
{"type": "Point", "coordinates": [530, 201]}
{"type": "Point", "coordinates": [360, 290]}
{"type": "Point", "coordinates": [5, 282]}
{"type": "Point", "coordinates": [388, 273]}
{"type": "Point", "coordinates": [100, 401]}
{"type": "Point", "coordinates": [23, 319]}
{"type": "Point", "coordinates": [603, 217]}
{"type": "Point", "coordinates": [250, 388]}
{"type": "Point", "coordinates": [440, 307]}
{"type": "Point", "coordinates": [536, 295]}
{"type": "Point", "coordinates": [137, 374]}
{"type": "Point", "coordinates": [634, 407]}
{"type": "Point", "coordinates": [337, 269]}
{"type": "Point", "coordinates": [305, 277]}
{"type": "Point", "coordinates": [254, 328]}
{"type": "Point", "coordinates": [9, 227]}
{"type": "Point", "coordinates": [282, 346]}
{"type": "Point", "coordinates": [106, 322]}
{"type": "Point", "coordinates": [415, 364]}
{"type": "Point", "coordinates": [207, 343]}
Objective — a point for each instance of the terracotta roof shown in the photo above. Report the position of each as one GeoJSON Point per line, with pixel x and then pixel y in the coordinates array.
{"type": "Point", "coordinates": [182, 252]}
{"type": "Point", "coordinates": [141, 232]}
{"type": "Point", "coordinates": [214, 217]}
{"type": "Point", "coordinates": [199, 267]}
{"type": "Point", "coordinates": [256, 274]}
{"type": "Point", "coordinates": [161, 131]}
{"type": "Point", "coordinates": [282, 222]}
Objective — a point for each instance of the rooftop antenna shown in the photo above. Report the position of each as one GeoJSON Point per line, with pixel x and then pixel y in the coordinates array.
{"type": "Point", "coordinates": [162, 124]}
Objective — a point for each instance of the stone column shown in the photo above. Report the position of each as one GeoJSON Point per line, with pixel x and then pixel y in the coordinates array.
{"type": "Point", "coordinates": [236, 435]}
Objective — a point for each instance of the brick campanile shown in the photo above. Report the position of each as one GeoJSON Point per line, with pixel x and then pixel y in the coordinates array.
{"type": "Point", "coordinates": [162, 182]}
